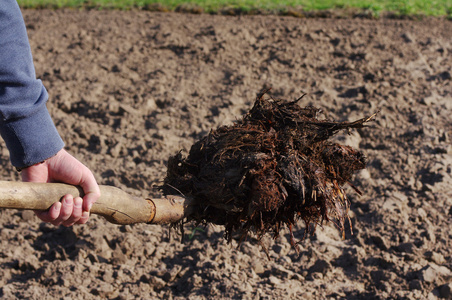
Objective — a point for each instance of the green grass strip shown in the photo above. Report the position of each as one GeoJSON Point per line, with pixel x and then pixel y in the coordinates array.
{"type": "Point", "coordinates": [400, 7]}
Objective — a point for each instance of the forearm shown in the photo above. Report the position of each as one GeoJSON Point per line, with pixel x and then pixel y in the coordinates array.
{"type": "Point", "coordinates": [25, 123]}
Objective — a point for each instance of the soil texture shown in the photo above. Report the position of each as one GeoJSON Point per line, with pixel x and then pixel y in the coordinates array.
{"type": "Point", "coordinates": [129, 89]}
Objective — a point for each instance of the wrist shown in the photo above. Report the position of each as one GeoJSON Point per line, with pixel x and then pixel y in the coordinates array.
{"type": "Point", "coordinates": [22, 168]}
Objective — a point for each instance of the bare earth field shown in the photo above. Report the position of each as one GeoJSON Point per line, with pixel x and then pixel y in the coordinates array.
{"type": "Point", "coordinates": [129, 89]}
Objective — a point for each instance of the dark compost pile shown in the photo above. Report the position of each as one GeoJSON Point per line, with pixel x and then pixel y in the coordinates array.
{"type": "Point", "coordinates": [274, 166]}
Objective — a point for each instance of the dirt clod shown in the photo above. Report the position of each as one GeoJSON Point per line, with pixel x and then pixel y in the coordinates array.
{"type": "Point", "coordinates": [274, 166]}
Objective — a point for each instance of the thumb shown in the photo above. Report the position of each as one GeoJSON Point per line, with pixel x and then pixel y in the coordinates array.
{"type": "Point", "coordinates": [91, 190]}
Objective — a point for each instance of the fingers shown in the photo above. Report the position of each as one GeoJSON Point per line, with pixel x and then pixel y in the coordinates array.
{"type": "Point", "coordinates": [67, 212]}
{"type": "Point", "coordinates": [50, 215]}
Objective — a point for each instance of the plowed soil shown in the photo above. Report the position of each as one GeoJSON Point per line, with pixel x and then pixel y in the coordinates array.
{"type": "Point", "coordinates": [130, 88]}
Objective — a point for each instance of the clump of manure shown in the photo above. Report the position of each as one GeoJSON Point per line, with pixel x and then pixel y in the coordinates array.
{"type": "Point", "coordinates": [271, 168]}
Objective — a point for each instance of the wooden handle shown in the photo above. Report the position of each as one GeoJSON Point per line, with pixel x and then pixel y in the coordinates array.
{"type": "Point", "coordinates": [114, 204]}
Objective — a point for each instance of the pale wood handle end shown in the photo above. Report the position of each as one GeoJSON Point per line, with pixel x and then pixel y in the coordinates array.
{"type": "Point", "coordinates": [115, 205]}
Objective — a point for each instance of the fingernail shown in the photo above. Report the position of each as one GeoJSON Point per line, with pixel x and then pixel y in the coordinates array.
{"type": "Point", "coordinates": [90, 205]}
{"type": "Point", "coordinates": [67, 200]}
{"type": "Point", "coordinates": [57, 206]}
{"type": "Point", "coordinates": [78, 202]}
{"type": "Point", "coordinates": [85, 215]}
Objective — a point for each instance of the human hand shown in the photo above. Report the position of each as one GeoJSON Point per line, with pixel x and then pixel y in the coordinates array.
{"type": "Point", "coordinates": [65, 168]}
